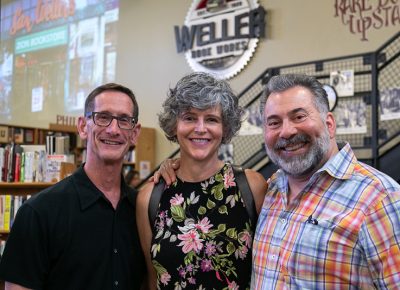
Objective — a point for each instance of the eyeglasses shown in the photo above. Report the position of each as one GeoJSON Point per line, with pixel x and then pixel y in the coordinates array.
{"type": "Point", "coordinates": [105, 119]}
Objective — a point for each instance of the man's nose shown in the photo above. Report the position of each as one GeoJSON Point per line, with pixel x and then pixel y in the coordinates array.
{"type": "Point", "coordinates": [113, 126]}
{"type": "Point", "coordinates": [288, 130]}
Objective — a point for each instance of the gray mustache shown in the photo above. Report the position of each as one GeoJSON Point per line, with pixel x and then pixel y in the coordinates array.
{"type": "Point", "coordinates": [299, 138]}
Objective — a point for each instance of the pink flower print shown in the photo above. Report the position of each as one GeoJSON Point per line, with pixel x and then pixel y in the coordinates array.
{"type": "Point", "coordinates": [190, 241]}
{"type": "Point", "coordinates": [182, 272]}
{"type": "Point", "coordinates": [218, 276]}
{"type": "Point", "coordinates": [177, 199]}
{"type": "Point", "coordinates": [165, 278]}
{"type": "Point", "coordinates": [229, 179]}
{"type": "Point", "coordinates": [210, 249]}
{"type": "Point", "coordinates": [204, 225]}
{"type": "Point", "coordinates": [189, 268]}
{"type": "Point", "coordinates": [246, 238]}
{"type": "Point", "coordinates": [192, 280]}
{"type": "Point", "coordinates": [241, 252]}
{"type": "Point", "coordinates": [206, 265]}
{"type": "Point", "coordinates": [233, 286]}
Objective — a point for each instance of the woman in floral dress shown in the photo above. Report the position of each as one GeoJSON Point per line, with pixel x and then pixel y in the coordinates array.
{"type": "Point", "coordinates": [202, 235]}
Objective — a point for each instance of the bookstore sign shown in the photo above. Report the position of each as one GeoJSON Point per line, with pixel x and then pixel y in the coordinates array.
{"type": "Point", "coordinates": [40, 40]}
{"type": "Point", "coordinates": [220, 37]}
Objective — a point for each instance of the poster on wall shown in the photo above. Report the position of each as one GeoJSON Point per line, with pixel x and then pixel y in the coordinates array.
{"type": "Point", "coordinates": [54, 50]}
{"type": "Point", "coordinates": [343, 82]}
{"type": "Point", "coordinates": [252, 121]}
{"type": "Point", "coordinates": [225, 153]}
{"type": "Point", "coordinates": [350, 116]}
{"type": "Point", "coordinates": [389, 104]}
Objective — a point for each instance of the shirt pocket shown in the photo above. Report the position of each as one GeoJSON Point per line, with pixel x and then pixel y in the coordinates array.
{"type": "Point", "coordinates": [309, 250]}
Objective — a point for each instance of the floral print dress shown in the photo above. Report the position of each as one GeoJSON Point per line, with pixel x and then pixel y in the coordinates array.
{"type": "Point", "coordinates": [203, 235]}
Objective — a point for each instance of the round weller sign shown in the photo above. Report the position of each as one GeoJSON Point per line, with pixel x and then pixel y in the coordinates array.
{"type": "Point", "coordinates": [220, 36]}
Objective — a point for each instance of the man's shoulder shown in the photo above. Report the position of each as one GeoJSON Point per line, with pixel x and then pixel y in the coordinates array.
{"type": "Point", "coordinates": [375, 177]}
{"type": "Point", "coordinates": [53, 195]}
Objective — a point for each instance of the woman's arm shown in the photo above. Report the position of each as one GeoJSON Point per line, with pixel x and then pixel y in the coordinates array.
{"type": "Point", "coordinates": [145, 232]}
{"type": "Point", "coordinates": [258, 186]}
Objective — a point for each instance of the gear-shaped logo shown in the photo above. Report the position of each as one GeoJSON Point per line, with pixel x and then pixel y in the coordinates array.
{"type": "Point", "coordinates": [220, 36]}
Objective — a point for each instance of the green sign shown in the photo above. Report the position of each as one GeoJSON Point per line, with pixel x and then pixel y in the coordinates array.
{"type": "Point", "coordinates": [40, 40]}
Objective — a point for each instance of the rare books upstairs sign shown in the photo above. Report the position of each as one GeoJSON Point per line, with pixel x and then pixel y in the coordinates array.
{"type": "Point", "coordinates": [220, 36]}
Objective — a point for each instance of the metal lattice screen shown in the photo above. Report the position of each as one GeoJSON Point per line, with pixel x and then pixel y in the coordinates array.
{"type": "Point", "coordinates": [375, 74]}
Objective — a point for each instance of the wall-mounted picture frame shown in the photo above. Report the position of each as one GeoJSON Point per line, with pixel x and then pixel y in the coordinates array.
{"type": "Point", "coordinates": [350, 116]}
{"type": "Point", "coordinates": [343, 82]}
{"type": "Point", "coordinates": [389, 104]}
{"type": "Point", "coordinates": [252, 121]}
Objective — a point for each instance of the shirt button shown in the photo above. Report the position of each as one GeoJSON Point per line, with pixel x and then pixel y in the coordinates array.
{"type": "Point", "coordinates": [273, 257]}
{"type": "Point", "coordinates": [283, 221]}
{"type": "Point", "coordinates": [115, 251]}
{"type": "Point", "coordinates": [116, 283]}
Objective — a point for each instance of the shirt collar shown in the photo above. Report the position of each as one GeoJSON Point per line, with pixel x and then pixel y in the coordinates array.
{"type": "Point", "coordinates": [88, 193]}
{"type": "Point", "coordinates": [340, 166]}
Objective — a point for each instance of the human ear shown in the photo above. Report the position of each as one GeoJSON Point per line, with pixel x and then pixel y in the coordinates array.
{"type": "Point", "coordinates": [82, 127]}
{"type": "Point", "coordinates": [331, 124]}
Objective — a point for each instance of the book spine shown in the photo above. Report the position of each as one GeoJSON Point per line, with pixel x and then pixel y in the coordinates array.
{"type": "Point", "coordinates": [7, 212]}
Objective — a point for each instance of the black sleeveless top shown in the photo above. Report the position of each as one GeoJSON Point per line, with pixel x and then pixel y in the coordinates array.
{"type": "Point", "coordinates": [203, 235]}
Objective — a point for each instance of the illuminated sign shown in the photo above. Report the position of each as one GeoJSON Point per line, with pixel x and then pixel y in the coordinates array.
{"type": "Point", "coordinates": [44, 39]}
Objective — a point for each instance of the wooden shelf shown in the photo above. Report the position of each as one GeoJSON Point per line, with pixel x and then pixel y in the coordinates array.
{"type": "Point", "coordinates": [23, 188]}
{"type": "Point", "coordinates": [63, 128]}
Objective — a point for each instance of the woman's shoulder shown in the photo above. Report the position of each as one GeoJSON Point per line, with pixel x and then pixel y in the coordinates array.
{"type": "Point", "coordinates": [144, 193]}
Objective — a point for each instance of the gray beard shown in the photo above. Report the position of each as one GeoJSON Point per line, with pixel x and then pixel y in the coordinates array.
{"type": "Point", "coordinates": [300, 165]}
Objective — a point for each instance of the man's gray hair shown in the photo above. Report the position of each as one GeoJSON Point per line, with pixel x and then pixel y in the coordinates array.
{"type": "Point", "coordinates": [280, 83]}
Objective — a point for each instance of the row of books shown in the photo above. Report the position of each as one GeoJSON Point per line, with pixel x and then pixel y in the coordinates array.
{"type": "Point", "coordinates": [57, 144]}
{"type": "Point", "coordinates": [17, 135]}
{"type": "Point", "coordinates": [19, 165]}
{"type": "Point", "coordinates": [9, 205]}
{"type": "Point", "coordinates": [30, 163]}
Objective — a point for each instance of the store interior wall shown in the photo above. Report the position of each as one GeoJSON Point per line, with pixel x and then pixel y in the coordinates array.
{"type": "Point", "coordinates": [296, 31]}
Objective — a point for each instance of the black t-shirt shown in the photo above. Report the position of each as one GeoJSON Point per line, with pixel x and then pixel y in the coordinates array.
{"type": "Point", "coordinates": [70, 237]}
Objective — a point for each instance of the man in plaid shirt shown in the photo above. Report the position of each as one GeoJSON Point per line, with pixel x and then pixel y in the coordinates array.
{"type": "Point", "coordinates": [328, 221]}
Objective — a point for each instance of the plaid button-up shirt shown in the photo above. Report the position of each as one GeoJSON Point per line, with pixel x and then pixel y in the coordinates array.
{"type": "Point", "coordinates": [342, 232]}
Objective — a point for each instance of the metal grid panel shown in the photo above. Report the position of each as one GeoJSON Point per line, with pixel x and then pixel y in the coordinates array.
{"type": "Point", "coordinates": [388, 83]}
{"type": "Point", "coordinates": [248, 96]}
{"type": "Point", "coordinates": [245, 147]}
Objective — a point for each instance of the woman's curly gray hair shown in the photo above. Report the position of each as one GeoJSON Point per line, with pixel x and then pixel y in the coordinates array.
{"type": "Point", "coordinates": [201, 91]}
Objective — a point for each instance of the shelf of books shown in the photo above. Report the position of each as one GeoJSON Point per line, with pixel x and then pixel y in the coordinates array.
{"type": "Point", "coordinates": [12, 196]}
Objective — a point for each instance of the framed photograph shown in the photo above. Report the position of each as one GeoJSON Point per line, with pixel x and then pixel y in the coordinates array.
{"type": "Point", "coordinates": [3, 134]}
{"type": "Point", "coordinates": [350, 116]}
{"type": "Point", "coordinates": [29, 136]}
{"type": "Point", "coordinates": [19, 135]}
{"type": "Point", "coordinates": [225, 153]}
{"type": "Point", "coordinates": [343, 82]}
{"type": "Point", "coordinates": [252, 122]}
{"type": "Point", "coordinates": [389, 104]}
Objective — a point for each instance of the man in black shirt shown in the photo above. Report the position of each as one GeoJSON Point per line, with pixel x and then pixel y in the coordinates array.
{"type": "Point", "coordinates": [81, 233]}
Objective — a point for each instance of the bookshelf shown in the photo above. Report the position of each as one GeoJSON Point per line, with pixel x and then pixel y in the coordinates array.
{"type": "Point", "coordinates": [143, 152]}
{"type": "Point", "coordinates": [20, 189]}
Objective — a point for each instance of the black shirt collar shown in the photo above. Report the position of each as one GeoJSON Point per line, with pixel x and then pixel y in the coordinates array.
{"type": "Point", "coordinates": [88, 193]}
